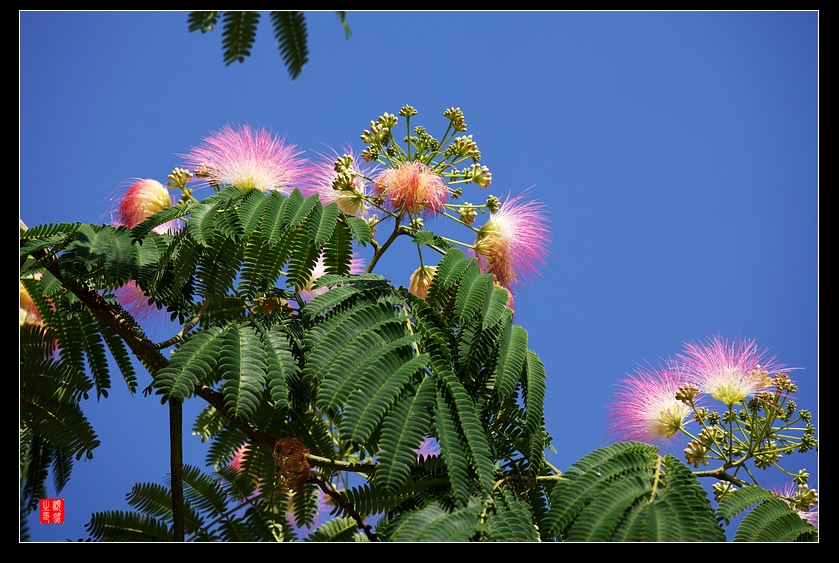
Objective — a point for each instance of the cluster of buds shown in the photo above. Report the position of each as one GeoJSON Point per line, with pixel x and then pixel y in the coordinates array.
{"type": "Point", "coordinates": [424, 173]}
{"type": "Point", "coordinates": [700, 449]}
{"type": "Point", "coordinates": [757, 423]}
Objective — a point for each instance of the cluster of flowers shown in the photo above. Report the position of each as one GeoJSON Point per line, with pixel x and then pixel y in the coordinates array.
{"type": "Point", "coordinates": [658, 404]}
{"type": "Point", "coordinates": [387, 182]}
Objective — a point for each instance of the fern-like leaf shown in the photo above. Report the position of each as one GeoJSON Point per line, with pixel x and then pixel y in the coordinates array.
{"type": "Point", "coordinates": [337, 251]}
{"type": "Point", "coordinates": [261, 266]}
{"type": "Point", "coordinates": [626, 492]}
{"type": "Point", "coordinates": [375, 395]}
{"type": "Point", "coordinates": [119, 352]}
{"type": "Point", "coordinates": [202, 21]}
{"type": "Point", "coordinates": [511, 360]}
{"type": "Point", "coordinates": [588, 475]}
{"type": "Point", "coordinates": [238, 35]}
{"type": "Point", "coordinates": [607, 507]}
{"type": "Point", "coordinates": [470, 424]}
{"type": "Point", "coordinates": [147, 226]}
{"type": "Point", "coordinates": [512, 522]}
{"type": "Point", "coordinates": [435, 524]}
{"type": "Point", "coordinates": [297, 208]}
{"type": "Point", "coordinates": [452, 448]}
{"type": "Point", "coordinates": [120, 526]}
{"type": "Point", "coordinates": [322, 223]}
{"type": "Point", "coordinates": [290, 33]}
{"type": "Point", "coordinates": [449, 275]}
{"type": "Point", "coordinates": [681, 511]}
{"type": "Point", "coordinates": [402, 433]}
{"type": "Point", "coordinates": [272, 220]}
{"type": "Point", "coordinates": [773, 521]}
{"type": "Point", "coordinates": [195, 360]}
{"type": "Point", "coordinates": [534, 409]}
{"type": "Point", "coordinates": [242, 367]}
{"type": "Point", "coordinates": [739, 500]}
{"type": "Point", "coordinates": [282, 369]}
{"type": "Point", "coordinates": [204, 492]}
{"type": "Point", "coordinates": [342, 529]}
{"type": "Point", "coordinates": [359, 228]}
{"type": "Point", "coordinates": [471, 296]}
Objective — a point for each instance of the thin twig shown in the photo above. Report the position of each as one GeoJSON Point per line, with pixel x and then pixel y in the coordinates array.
{"type": "Point", "coordinates": [339, 500]}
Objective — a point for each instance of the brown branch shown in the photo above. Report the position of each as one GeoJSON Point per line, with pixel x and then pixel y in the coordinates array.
{"type": "Point", "coordinates": [339, 500]}
{"type": "Point", "coordinates": [720, 474]}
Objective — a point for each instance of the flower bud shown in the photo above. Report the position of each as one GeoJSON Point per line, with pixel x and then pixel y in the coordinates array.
{"type": "Point", "coordinates": [142, 200]}
{"type": "Point", "coordinates": [421, 280]}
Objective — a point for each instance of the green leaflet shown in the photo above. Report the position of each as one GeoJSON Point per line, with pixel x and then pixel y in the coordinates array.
{"type": "Point", "coordinates": [238, 35]}
{"type": "Point", "coordinates": [435, 524]}
{"type": "Point", "coordinates": [242, 366]}
{"type": "Point", "coordinates": [511, 354]}
{"type": "Point", "coordinates": [774, 521]}
{"type": "Point", "coordinates": [322, 223]}
{"type": "Point", "coordinates": [378, 391]}
{"type": "Point", "coordinates": [534, 409]}
{"type": "Point", "coordinates": [402, 433]}
{"type": "Point", "coordinates": [608, 495]}
{"type": "Point", "coordinates": [452, 448]}
{"type": "Point", "coordinates": [194, 361]}
{"type": "Point", "coordinates": [282, 369]}
{"type": "Point", "coordinates": [739, 500]}
{"type": "Point", "coordinates": [291, 37]}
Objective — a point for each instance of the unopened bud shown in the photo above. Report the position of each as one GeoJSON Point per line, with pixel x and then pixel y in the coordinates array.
{"type": "Point", "coordinates": [421, 280]}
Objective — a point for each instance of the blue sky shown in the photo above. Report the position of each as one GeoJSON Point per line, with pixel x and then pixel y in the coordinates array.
{"type": "Point", "coordinates": [677, 153]}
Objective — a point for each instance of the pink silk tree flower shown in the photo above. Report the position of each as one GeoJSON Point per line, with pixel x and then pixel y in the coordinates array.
{"type": "Point", "coordinates": [250, 159]}
{"type": "Point", "coordinates": [339, 179]}
{"type": "Point", "coordinates": [136, 302]}
{"type": "Point", "coordinates": [801, 498]}
{"type": "Point", "coordinates": [143, 199]}
{"type": "Point", "coordinates": [645, 407]}
{"type": "Point", "coordinates": [514, 242]}
{"type": "Point", "coordinates": [412, 187]}
{"type": "Point", "coordinates": [729, 371]}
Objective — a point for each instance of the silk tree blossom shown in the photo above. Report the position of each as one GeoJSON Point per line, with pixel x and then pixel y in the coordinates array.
{"type": "Point", "coordinates": [140, 201]}
{"type": "Point", "coordinates": [309, 291]}
{"type": "Point", "coordinates": [421, 280]}
{"type": "Point", "coordinates": [412, 187]}
{"type": "Point", "coordinates": [729, 371]}
{"type": "Point", "coordinates": [250, 159]}
{"type": "Point", "coordinates": [132, 297]}
{"type": "Point", "coordinates": [29, 314]}
{"type": "Point", "coordinates": [645, 407]}
{"type": "Point", "coordinates": [514, 242]}
{"type": "Point", "coordinates": [801, 498]}
{"type": "Point", "coordinates": [339, 179]}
